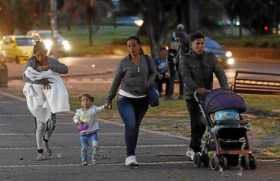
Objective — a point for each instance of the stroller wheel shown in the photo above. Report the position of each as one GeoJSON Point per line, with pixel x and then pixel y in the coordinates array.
{"type": "Point", "coordinates": [245, 162]}
{"type": "Point", "coordinates": [197, 160]}
{"type": "Point", "coordinates": [252, 162]}
{"type": "Point", "coordinates": [214, 162]}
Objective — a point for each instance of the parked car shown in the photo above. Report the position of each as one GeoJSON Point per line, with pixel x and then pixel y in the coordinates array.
{"type": "Point", "coordinates": [129, 21]}
{"type": "Point", "coordinates": [16, 48]}
{"type": "Point", "coordinates": [62, 45]}
{"type": "Point", "coordinates": [224, 57]}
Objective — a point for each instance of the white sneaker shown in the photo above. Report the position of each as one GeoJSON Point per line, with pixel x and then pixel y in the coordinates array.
{"type": "Point", "coordinates": [84, 163]}
{"type": "Point", "coordinates": [131, 161]}
{"type": "Point", "coordinates": [190, 154]}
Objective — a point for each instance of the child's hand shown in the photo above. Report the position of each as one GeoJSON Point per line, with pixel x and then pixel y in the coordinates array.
{"type": "Point", "coordinates": [108, 106]}
{"type": "Point", "coordinates": [81, 126]}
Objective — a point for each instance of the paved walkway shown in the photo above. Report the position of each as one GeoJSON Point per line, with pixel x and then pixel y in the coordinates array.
{"type": "Point", "coordinates": [161, 156]}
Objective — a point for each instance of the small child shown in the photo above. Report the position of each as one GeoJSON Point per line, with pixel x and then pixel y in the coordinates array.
{"type": "Point", "coordinates": [86, 121]}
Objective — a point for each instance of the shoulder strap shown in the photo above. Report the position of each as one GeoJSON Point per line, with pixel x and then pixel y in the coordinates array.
{"type": "Point", "coordinates": [147, 58]}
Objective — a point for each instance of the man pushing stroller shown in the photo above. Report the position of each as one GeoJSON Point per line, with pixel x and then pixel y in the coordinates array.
{"type": "Point", "coordinates": [197, 68]}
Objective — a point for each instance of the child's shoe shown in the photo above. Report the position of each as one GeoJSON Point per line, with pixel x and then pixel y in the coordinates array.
{"type": "Point", "coordinates": [84, 163]}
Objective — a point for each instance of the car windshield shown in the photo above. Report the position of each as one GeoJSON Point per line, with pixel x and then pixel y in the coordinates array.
{"type": "Point", "coordinates": [48, 35]}
{"type": "Point", "coordinates": [24, 41]}
{"type": "Point", "coordinates": [209, 43]}
{"type": "Point", "coordinates": [45, 35]}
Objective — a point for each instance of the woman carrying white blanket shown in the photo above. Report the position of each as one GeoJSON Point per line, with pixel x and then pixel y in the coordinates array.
{"type": "Point", "coordinates": [41, 75]}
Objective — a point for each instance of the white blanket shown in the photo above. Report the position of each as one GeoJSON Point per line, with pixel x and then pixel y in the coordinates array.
{"type": "Point", "coordinates": [42, 102]}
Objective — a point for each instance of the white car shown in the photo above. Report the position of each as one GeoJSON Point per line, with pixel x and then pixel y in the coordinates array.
{"type": "Point", "coordinates": [63, 45]}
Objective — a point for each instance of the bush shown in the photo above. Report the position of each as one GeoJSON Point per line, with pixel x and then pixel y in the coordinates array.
{"type": "Point", "coordinates": [249, 44]}
{"type": "Point", "coordinates": [265, 44]}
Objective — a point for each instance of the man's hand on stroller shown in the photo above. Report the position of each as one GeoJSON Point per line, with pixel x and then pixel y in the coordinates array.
{"type": "Point", "coordinates": [202, 91]}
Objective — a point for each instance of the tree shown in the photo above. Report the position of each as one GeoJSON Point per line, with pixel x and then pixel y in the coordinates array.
{"type": "Point", "coordinates": [157, 15]}
{"type": "Point", "coordinates": [94, 11]}
{"type": "Point", "coordinates": [253, 14]}
{"type": "Point", "coordinates": [161, 17]}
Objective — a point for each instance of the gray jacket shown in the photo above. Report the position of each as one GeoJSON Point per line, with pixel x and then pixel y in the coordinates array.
{"type": "Point", "coordinates": [54, 65]}
{"type": "Point", "coordinates": [132, 78]}
{"type": "Point", "coordinates": [197, 72]}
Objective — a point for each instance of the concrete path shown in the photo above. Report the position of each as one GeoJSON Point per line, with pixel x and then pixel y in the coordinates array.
{"type": "Point", "coordinates": [161, 156]}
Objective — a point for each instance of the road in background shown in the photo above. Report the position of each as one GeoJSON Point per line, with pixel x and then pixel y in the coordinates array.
{"type": "Point", "coordinates": [108, 64]}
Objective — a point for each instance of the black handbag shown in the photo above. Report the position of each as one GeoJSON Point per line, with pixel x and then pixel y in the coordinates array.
{"type": "Point", "coordinates": [153, 96]}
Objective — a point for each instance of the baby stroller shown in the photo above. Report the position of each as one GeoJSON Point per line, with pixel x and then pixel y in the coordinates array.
{"type": "Point", "coordinates": [225, 142]}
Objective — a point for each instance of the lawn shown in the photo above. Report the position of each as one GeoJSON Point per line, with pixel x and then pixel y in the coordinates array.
{"type": "Point", "coordinates": [103, 39]}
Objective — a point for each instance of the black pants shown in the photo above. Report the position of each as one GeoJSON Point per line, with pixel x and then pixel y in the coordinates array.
{"type": "Point", "coordinates": [181, 85]}
{"type": "Point", "coordinates": [197, 126]}
{"type": "Point", "coordinates": [160, 83]}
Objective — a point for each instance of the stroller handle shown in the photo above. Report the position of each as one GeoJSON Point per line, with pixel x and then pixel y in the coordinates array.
{"type": "Point", "coordinates": [195, 95]}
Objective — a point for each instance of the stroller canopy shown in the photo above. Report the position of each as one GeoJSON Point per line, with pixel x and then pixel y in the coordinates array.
{"type": "Point", "coordinates": [219, 99]}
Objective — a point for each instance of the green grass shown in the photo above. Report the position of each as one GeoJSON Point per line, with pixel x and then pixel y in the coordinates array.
{"type": "Point", "coordinates": [272, 151]}
{"type": "Point", "coordinates": [107, 39]}
{"type": "Point", "coordinates": [264, 103]}
{"type": "Point", "coordinates": [102, 39]}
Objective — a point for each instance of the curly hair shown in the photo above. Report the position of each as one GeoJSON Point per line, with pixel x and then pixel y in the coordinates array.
{"type": "Point", "coordinates": [87, 96]}
{"type": "Point", "coordinates": [39, 46]}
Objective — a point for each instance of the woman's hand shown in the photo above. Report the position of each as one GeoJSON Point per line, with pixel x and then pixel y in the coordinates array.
{"type": "Point", "coordinates": [108, 105]}
{"type": "Point", "coordinates": [46, 83]}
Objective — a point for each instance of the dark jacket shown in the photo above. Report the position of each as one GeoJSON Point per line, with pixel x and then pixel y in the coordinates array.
{"type": "Point", "coordinates": [197, 72]}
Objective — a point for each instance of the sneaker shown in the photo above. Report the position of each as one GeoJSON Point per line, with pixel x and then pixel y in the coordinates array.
{"type": "Point", "coordinates": [131, 161]}
{"type": "Point", "coordinates": [40, 156]}
{"type": "Point", "coordinates": [197, 159]}
{"type": "Point", "coordinates": [84, 163]}
{"type": "Point", "coordinates": [190, 154]}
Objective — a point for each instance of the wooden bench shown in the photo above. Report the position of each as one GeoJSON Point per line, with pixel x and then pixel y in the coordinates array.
{"type": "Point", "coordinates": [256, 83]}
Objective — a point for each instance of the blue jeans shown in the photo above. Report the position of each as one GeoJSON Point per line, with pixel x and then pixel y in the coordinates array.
{"type": "Point", "coordinates": [132, 111]}
{"type": "Point", "coordinates": [87, 140]}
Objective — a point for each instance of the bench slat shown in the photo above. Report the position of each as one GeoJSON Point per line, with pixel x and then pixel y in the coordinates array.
{"type": "Point", "coordinates": [269, 83]}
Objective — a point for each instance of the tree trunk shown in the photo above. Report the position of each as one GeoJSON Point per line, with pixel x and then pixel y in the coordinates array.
{"type": "Point", "coordinates": [193, 15]}
{"type": "Point", "coordinates": [184, 16]}
{"type": "Point", "coordinates": [156, 25]}
{"type": "Point", "coordinates": [90, 24]}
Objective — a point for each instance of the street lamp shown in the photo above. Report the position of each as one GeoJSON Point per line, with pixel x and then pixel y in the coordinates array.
{"type": "Point", "coordinates": [139, 22]}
